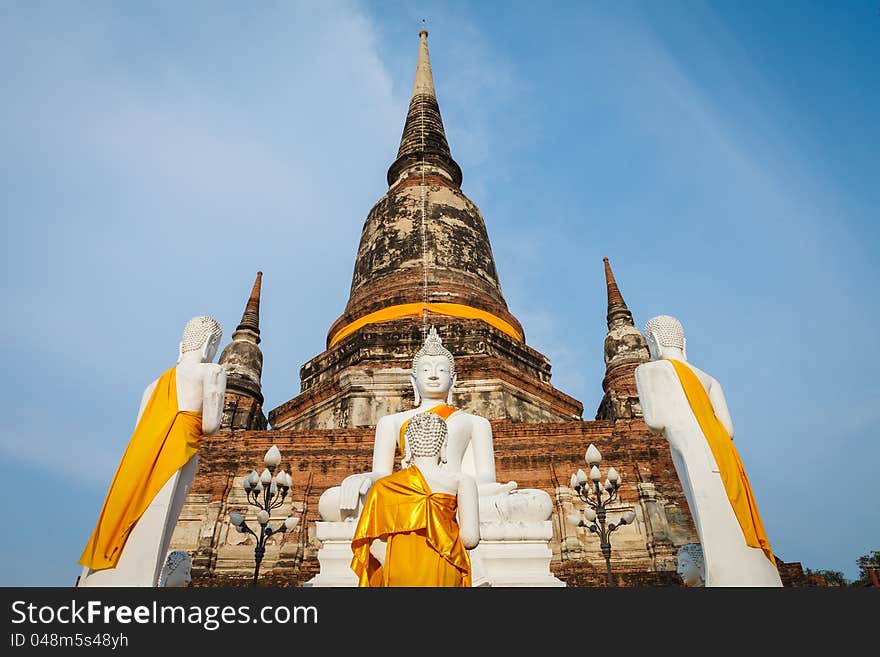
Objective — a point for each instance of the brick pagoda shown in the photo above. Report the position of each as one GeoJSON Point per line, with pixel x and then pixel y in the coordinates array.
{"type": "Point", "coordinates": [425, 259]}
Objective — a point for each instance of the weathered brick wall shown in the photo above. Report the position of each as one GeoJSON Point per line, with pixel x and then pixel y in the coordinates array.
{"type": "Point", "coordinates": [242, 412]}
{"type": "Point", "coordinates": [366, 376]}
{"type": "Point", "coordinates": [526, 453]}
{"type": "Point", "coordinates": [792, 574]}
{"type": "Point", "coordinates": [396, 244]}
{"type": "Point", "coordinates": [643, 554]}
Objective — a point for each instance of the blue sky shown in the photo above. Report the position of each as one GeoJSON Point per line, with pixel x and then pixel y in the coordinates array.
{"type": "Point", "coordinates": [724, 156]}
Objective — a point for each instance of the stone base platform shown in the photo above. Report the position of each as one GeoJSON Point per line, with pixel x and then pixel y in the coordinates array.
{"type": "Point", "coordinates": [509, 554]}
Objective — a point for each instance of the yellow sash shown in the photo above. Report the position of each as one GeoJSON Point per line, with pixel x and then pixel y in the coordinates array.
{"type": "Point", "coordinates": [733, 474]}
{"type": "Point", "coordinates": [416, 310]}
{"type": "Point", "coordinates": [443, 410]}
{"type": "Point", "coordinates": [401, 507]}
{"type": "Point", "coordinates": [163, 441]}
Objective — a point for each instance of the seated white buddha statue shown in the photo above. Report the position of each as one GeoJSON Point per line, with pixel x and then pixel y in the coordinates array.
{"type": "Point", "coordinates": [469, 449]}
{"type": "Point", "coordinates": [688, 407]}
{"type": "Point", "coordinates": [130, 541]}
{"type": "Point", "coordinates": [418, 522]}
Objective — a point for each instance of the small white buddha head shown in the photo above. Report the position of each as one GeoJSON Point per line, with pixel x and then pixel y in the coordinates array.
{"type": "Point", "coordinates": [426, 435]}
{"type": "Point", "coordinates": [201, 334]}
{"type": "Point", "coordinates": [664, 331]}
{"type": "Point", "coordinates": [176, 573]}
{"type": "Point", "coordinates": [691, 567]}
{"type": "Point", "coordinates": [433, 371]}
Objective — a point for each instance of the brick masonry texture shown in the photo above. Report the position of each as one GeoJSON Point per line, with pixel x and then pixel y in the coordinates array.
{"type": "Point", "coordinates": [542, 455]}
{"type": "Point", "coordinates": [526, 453]}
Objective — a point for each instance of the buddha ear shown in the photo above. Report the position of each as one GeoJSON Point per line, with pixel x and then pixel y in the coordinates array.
{"type": "Point", "coordinates": [206, 348]}
{"type": "Point", "coordinates": [684, 353]}
{"type": "Point", "coordinates": [407, 454]}
{"type": "Point", "coordinates": [209, 349]}
{"type": "Point", "coordinates": [451, 386]}
{"type": "Point", "coordinates": [180, 352]}
{"type": "Point", "coordinates": [418, 397]}
{"type": "Point", "coordinates": [653, 345]}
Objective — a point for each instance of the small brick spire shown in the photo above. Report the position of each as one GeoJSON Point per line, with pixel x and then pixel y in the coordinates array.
{"type": "Point", "coordinates": [251, 317]}
{"type": "Point", "coordinates": [625, 349]}
{"type": "Point", "coordinates": [243, 361]}
{"type": "Point", "coordinates": [617, 311]}
{"type": "Point", "coordinates": [424, 139]}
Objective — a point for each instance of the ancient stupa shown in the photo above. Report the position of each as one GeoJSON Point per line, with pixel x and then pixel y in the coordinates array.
{"type": "Point", "coordinates": [425, 259]}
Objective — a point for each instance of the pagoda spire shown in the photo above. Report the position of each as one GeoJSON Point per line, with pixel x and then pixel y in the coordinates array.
{"type": "Point", "coordinates": [618, 313]}
{"type": "Point", "coordinates": [424, 246]}
{"type": "Point", "coordinates": [424, 82]}
{"type": "Point", "coordinates": [625, 349]}
{"type": "Point", "coordinates": [250, 319]}
{"type": "Point", "coordinates": [424, 258]}
{"type": "Point", "coordinates": [423, 146]}
{"type": "Point", "coordinates": [243, 361]}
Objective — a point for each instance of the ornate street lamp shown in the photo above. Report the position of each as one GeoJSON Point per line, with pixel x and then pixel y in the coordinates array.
{"type": "Point", "coordinates": [265, 491]}
{"type": "Point", "coordinates": [597, 497]}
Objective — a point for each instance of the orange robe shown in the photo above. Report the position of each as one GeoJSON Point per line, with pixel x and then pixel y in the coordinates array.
{"type": "Point", "coordinates": [733, 474]}
{"type": "Point", "coordinates": [164, 439]}
{"type": "Point", "coordinates": [423, 543]}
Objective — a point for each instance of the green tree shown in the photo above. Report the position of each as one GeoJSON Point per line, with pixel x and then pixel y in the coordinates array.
{"type": "Point", "coordinates": [831, 577]}
{"type": "Point", "coordinates": [870, 560]}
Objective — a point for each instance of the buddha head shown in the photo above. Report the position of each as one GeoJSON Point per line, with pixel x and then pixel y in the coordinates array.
{"type": "Point", "coordinates": [201, 334]}
{"type": "Point", "coordinates": [426, 435]}
{"type": "Point", "coordinates": [433, 371]}
{"type": "Point", "coordinates": [691, 567]}
{"type": "Point", "coordinates": [176, 572]}
{"type": "Point", "coordinates": [663, 333]}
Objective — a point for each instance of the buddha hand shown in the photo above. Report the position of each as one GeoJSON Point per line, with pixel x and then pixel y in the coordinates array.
{"type": "Point", "coordinates": [353, 486]}
{"type": "Point", "coordinates": [494, 488]}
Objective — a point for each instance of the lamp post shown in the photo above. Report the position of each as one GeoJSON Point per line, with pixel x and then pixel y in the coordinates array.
{"type": "Point", "coordinates": [597, 497]}
{"type": "Point", "coordinates": [265, 491]}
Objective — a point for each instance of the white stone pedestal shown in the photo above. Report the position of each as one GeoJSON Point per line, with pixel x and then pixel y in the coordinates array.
{"type": "Point", "coordinates": [335, 554]}
{"type": "Point", "coordinates": [517, 553]}
{"type": "Point", "coordinates": [509, 554]}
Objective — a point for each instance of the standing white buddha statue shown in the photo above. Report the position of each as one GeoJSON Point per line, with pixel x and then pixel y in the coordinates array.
{"type": "Point", "coordinates": [130, 541]}
{"type": "Point", "coordinates": [688, 407]}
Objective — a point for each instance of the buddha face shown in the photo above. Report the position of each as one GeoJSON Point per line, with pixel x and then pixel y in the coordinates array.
{"type": "Point", "coordinates": [180, 576]}
{"type": "Point", "coordinates": [177, 571]}
{"type": "Point", "coordinates": [433, 377]}
{"type": "Point", "coordinates": [689, 570]}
